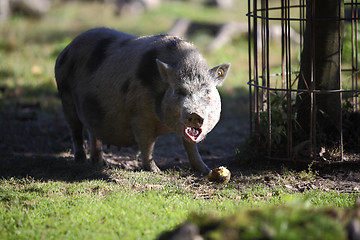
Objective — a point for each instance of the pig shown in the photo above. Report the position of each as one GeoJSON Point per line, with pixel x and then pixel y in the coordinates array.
{"type": "Point", "coordinates": [126, 90]}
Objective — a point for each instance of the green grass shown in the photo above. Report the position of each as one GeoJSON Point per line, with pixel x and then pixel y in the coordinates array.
{"type": "Point", "coordinates": [142, 205]}
{"type": "Point", "coordinates": [88, 210]}
{"type": "Point", "coordinates": [133, 205]}
{"type": "Point", "coordinates": [286, 222]}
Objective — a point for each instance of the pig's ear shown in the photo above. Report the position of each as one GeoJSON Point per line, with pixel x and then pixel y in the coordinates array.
{"type": "Point", "coordinates": [165, 70]}
{"type": "Point", "coordinates": [220, 72]}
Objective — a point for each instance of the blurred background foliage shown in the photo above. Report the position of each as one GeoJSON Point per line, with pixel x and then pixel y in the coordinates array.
{"type": "Point", "coordinates": [29, 46]}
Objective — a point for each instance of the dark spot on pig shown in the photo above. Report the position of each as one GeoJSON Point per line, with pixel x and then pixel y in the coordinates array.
{"type": "Point", "coordinates": [98, 55]}
{"type": "Point", "coordinates": [92, 110]}
{"type": "Point", "coordinates": [125, 87]}
{"type": "Point", "coordinates": [147, 71]}
{"type": "Point", "coordinates": [181, 92]}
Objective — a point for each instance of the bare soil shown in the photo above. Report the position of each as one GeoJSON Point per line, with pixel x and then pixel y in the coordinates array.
{"type": "Point", "coordinates": [35, 141]}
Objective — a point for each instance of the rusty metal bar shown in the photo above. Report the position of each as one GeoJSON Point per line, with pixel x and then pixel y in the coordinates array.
{"type": "Point", "coordinates": [357, 52]}
{"type": "Point", "coordinates": [356, 23]}
{"type": "Point", "coordinates": [292, 19]}
{"type": "Point", "coordinates": [267, 64]}
{"type": "Point", "coordinates": [288, 82]}
{"type": "Point", "coordinates": [305, 90]}
{"type": "Point", "coordinates": [263, 73]}
{"type": "Point", "coordinates": [312, 133]}
{"type": "Point", "coordinates": [282, 46]}
{"type": "Point", "coordinates": [284, 61]}
{"type": "Point", "coordinates": [256, 69]}
{"type": "Point", "coordinates": [340, 24]}
{"type": "Point", "coordinates": [353, 54]}
{"type": "Point", "coordinates": [302, 23]}
{"type": "Point", "coordinates": [250, 72]}
{"type": "Point", "coordinates": [260, 84]}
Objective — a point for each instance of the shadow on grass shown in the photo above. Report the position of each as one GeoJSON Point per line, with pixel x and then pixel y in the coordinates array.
{"type": "Point", "coordinates": [47, 168]}
{"type": "Point", "coordinates": [34, 141]}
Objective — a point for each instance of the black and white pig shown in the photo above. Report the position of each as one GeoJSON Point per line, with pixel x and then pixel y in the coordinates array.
{"type": "Point", "coordinates": [128, 90]}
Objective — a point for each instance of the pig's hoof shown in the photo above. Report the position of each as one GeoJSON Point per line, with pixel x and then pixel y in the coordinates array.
{"type": "Point", "coordinates": [203, 169]}
{"type": "Point", "coordinates": [99, 162]}
{"type": "Point", "coordinates": [80, 157]}
{"type": "Point", "coordinates": [151, 167]}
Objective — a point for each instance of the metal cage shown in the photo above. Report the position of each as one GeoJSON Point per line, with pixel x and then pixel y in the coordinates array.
{"type": "Point", "coordinates": [276, 41]}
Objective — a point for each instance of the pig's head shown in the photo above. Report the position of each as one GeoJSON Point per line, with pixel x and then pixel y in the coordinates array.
{"type": "Point", "coordinates": [191, 105]}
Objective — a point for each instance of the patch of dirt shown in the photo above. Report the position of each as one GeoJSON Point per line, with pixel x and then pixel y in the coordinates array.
{"type": "Point", "coordinates": [35, 141]}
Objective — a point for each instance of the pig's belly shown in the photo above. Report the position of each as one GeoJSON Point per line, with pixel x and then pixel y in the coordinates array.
{"type": "Point", "coordinates": [119, 135]}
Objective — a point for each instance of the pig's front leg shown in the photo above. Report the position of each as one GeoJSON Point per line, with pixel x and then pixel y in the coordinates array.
{"type": "Point", "coordinates": [194, 157]}
{"type": "Point", "coordinates": [146, 141]}
{"type": "Point", "coordinates": [146, 149]}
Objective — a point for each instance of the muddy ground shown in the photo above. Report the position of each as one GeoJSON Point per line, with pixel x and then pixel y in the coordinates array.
{"type": "Point", "coordinates": [35, 141]}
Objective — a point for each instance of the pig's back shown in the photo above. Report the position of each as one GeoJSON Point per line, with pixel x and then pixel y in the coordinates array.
{"type": "Point", "coordinates": [113, 76]}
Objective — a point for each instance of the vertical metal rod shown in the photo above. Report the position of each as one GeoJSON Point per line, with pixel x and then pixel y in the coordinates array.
{"type": "Point", "coordinates": [284, 61]}
{"type": "Point", "coordinates": [340, 23]}
{"type": "Point", "coordinates": [262, 34]}
{"type": "Point", "coordinates": [357, 75]}
{"type": "Point", "coordinates": [268, 76]}
{"type": "Point", "coordinates": [250, 70]}
{"type": "Point", "coordinates": [263, 54]}
{"type": "Point", "coordinates": [282, 46]}
{"type": "Point", "coordinates": [264, 66]}
{"type": "Point", "coordinates": [256, 67]}
{"type": "Point", "coordinates": [288, 80]}
{"type": "Point", "coordinates": [302, 23]}
{"type": "Point", "coordinates": [354, 55]}
{"type": "Point", "coordinates": [312, 80]}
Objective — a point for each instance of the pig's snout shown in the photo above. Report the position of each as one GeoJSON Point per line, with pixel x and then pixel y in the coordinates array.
{"type": "Point", "coordinates": [193, 125]}
{"type": "Point", "coordinates": [194, 120]}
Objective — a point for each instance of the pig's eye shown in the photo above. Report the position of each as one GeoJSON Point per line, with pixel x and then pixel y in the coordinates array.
{"type": "Point", "coordinates": [180, 92]}
{"type": "Point", "coordinates": [220, 72]}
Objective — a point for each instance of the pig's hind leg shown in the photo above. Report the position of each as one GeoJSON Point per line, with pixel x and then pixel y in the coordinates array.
{"type": "Point", "coordinates": [76, 127]}
{"type": "Point", "coordinates": [146, 142]}
{"type": "Point", "coordinates": [96, 155]}
{"type": "Point", "coordinates": [146, 149]}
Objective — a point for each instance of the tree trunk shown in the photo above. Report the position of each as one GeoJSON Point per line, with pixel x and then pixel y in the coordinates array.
{"type": "Point", "coordinates": [320, 62]}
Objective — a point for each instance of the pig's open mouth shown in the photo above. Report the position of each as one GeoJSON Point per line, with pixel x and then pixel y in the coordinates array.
{"type": "Point", "coordinates": [193, 133]}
